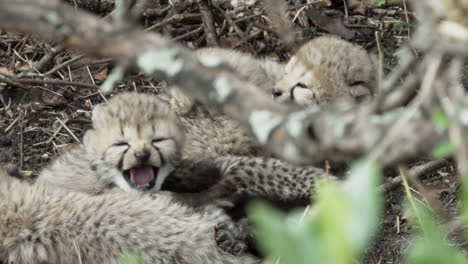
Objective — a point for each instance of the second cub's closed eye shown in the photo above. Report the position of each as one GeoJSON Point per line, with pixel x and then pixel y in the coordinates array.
{"type": "Point", "coordinates": [121, 143]}
{"type": "Point", "coordinates": [156, 140]}
{"type": "Point", "coordinates": [357, 83]}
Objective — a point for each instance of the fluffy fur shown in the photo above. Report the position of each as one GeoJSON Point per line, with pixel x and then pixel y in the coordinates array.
{"type": "Point", "coordinates": [129, 126]}
{"type": "Point", "coordinates": [326, 69]}
{"type": "Point", "coordinates": [39, 224]}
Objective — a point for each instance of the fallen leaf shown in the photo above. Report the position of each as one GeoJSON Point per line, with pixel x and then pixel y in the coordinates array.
{"type": "Point", "coordinates": [333, 25]}
{"type": "Point", "coordinates": [53, 98]}
{"type": "Point", "coordinates": [102, 75]}
{"type": "Point", "coordinates": [6, 71]}
{"type": "Point", "coordinates": [322, 3]}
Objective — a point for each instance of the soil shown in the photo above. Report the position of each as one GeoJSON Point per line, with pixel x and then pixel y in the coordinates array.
{"type": "Point", "coordinates": [41, 121]}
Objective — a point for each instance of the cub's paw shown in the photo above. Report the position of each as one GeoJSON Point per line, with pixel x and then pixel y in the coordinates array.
{"type": "Point", "coordinates": [230, 239]}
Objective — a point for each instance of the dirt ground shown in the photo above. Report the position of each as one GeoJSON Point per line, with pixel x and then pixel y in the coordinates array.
{"type": "Point", "coordinates": [42, 116]}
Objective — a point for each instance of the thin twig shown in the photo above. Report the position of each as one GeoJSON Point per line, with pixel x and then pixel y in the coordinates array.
{"type": "Point", "coordinates": [415, 172]}
{"type": "Point", "coordinates": [69, 131]}
{"type": "Point", "coordinates": [64, 64]}
{"type": "Point", "coordinates": [399, 125]}
{"type": "Point", "coordinates": [21, 146]}
{"type": "Point", "coordinates": [208, 23]}
{"type": "Point", "coordinates": [405, 8]}
{"type": "Point", "coordinates": [188, 34]}
{"type": "Point", "coordinates": [12, 123]}
{"type": "Point", "coordinates": [238, 30]}
{"type": "Point", "coordinates": [381, 59]}
{"type": "Point", "coordinates": [14, 83]}
{"type": "Point", "coordinates": [57, 82]}
{"type": "Point", "coordinates": [173, 19]}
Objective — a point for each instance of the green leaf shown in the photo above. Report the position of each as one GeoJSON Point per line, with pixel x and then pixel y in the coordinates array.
{"type": "Point", "coordinates": [379, 3]}
{"type": "Point", "coordinates": [345, 218]}
{"type": "Point", "coordinates": [464, 202]}
{"type": "Point", "coordinates": [440, 119]}
{"type": "Point", "coordinates": [333, 223]}
{"type": "Point", "coordinates": [443, 150]}
{"type": "Point", "coordinates": [283, 236]}
{"type": "Point", "coordinates": [431, 247]}
{"type": "Point", "coordinates": [366, 202]}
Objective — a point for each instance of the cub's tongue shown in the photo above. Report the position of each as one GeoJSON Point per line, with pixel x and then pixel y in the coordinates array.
{"type": "Point", "coordinates": [142, 176]}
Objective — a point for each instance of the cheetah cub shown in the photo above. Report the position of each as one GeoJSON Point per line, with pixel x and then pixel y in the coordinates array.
{"type": "Point", "coordinates": [262, 72]}
{"type": "Point", "coordinates": [136, 143]}
{"type": "Point", "coordinates": [325, 69]}
{"type": "Point", "coordinates": [40, 224]}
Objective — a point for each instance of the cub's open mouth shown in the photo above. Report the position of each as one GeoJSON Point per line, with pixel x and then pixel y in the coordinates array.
{"type": "Point", "coordinates": [143, 177]}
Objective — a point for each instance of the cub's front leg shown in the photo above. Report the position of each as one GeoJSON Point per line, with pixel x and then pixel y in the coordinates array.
{"type": "Point", "coordinates": [230, 180]}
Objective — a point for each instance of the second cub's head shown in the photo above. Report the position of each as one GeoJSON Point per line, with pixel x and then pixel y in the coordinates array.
{"type": "Point", "coordinates": [138, 135]}
{"type": "Point", "coordinates": [327, 69]}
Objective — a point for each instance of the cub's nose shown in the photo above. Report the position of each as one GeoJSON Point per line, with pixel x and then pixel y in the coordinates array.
{"type": "Point", "coordinates": [142, 156]}
{"type": "Point", "coordinates": [276, 92]}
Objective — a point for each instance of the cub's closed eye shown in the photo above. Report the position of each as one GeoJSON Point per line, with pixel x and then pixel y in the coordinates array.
{"type": "Point", "coordinates": [301, 85]}
{"type": "Point", "coordinates": [121, 143]}
{"type": "Point", "coordinates": [156, 140]}
{"type": "Point", "coordinates": [357, 83]}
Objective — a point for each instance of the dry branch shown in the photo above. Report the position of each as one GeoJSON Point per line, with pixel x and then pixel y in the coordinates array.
{"type": "Point", "coordinates": [339, 132]}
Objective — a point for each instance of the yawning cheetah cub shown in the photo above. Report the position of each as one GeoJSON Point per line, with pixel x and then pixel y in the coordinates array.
{"type": "Point", "coordinates": [326, 69]}
{"type": "Point", "coordinates": [136, 142]}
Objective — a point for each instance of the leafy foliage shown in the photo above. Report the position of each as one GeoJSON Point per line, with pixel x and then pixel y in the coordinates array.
{"type": "Point", "coordinates": [338, 227]}
{"type": "Point", "coordinates": [431, 245]}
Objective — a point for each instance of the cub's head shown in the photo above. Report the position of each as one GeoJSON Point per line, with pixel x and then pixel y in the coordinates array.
{"type": "Point", "coordinates": [137, 135]}
{"type": "Point", "coordinates": [326, 69]}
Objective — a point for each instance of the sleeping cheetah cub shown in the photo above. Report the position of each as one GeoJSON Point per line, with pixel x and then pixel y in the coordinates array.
{"type": "Point", "coordinates": [136, 142]}
{"type": "Point", "coordinates": [322, 71]}
{"type": "Point", "coordinates": [40, 224]}
{"type": "Point", "coordinates": [326, 69]}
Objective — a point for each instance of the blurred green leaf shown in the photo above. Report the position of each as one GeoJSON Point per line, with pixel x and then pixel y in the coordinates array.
{"type": "Point", "coordinates": [464, 202]}
{"type": "Point", "coordinates": [281, 235]}
{"type": "Point", "coordinates": [440, 119]}
{"type": "Point", "coordinates": [345, 217]}
{"type": "Point", "coordinates": [443, 150]}
{"type": "Point", "coordinates": [366, 203]}
{"type": "Point", "coordinates": [379, 3]}
{"type": "Point", "coordinates": [431, 247]}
